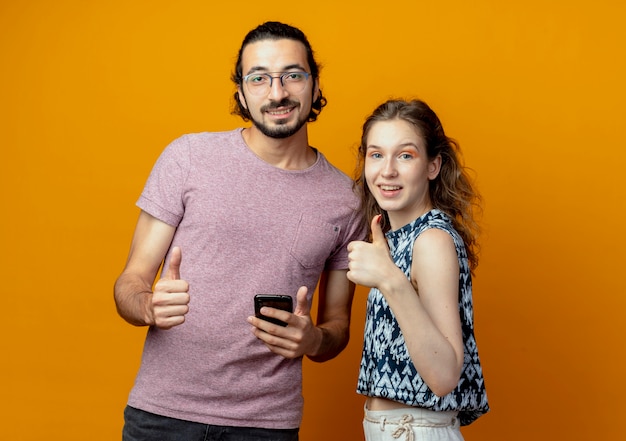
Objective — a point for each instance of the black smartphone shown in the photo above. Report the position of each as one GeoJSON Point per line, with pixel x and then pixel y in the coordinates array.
{"type": "Point", "coordinates": [277, 301]}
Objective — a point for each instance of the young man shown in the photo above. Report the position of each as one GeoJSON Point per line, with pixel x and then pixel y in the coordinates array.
{"type": "Point", "coordinates": [231, 215]}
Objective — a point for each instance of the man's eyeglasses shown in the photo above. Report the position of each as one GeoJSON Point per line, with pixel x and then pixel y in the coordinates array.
{"type": "Point", "coordinates": [261, 83]}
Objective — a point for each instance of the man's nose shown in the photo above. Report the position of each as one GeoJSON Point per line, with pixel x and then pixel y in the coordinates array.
{"type": "Point", "coordinates": [277, 90]}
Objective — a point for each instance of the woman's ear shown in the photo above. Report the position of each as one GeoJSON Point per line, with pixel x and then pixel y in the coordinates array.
{"type": "Point", "coordinates": [434, 167]}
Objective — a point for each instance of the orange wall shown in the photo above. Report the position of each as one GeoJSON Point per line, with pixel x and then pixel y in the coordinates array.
{"type": "Point", "coordinates": [91, 92]}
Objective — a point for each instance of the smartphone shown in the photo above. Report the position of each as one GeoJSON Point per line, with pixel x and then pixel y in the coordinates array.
{"type": "Point", "coordinates": [277, 301]}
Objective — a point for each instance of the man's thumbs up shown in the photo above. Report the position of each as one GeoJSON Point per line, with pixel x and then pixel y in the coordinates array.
{"type": "Point", "coordinates": [173, 271]}
{"type": "Point", "coordinates": [170, 299]}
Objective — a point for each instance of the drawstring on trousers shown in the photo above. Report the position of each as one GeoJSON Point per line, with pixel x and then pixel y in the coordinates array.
{"type": "Point", "coordinates": [404, 425]}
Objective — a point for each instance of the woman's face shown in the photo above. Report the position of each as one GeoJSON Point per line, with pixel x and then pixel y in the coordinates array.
{"type": "Point", "coordinates": [397, 170]}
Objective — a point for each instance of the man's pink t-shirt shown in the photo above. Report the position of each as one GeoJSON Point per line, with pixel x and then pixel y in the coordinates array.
{"type": "Point", "coordinates": [245, 227]}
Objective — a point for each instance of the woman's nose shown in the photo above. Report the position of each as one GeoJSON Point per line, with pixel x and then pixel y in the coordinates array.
{"type": "Point", "coordinates": [389, 169]}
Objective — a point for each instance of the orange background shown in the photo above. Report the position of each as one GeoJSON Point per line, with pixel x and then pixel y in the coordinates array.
{"type": "Point", "coordinates": [92, 91]}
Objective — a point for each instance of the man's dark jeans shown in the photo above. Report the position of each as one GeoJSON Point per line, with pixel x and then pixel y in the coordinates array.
{"type": "Point", "coordinates": [145, 426]}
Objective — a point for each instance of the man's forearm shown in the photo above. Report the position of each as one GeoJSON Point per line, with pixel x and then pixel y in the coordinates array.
{"type": "Point", "coordinates": [335, 337]}
{"type": "Point", "coordinates": [132, 298]}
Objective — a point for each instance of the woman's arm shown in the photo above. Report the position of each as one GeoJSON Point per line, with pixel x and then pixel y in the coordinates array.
{"type": "Point", "coordinates": [427, 311]}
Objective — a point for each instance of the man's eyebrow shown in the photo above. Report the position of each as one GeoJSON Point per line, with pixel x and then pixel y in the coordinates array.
{"type": "Point", "coordinates": [286, 68]}
{"type": "Point", "coordinates": [294, 66]}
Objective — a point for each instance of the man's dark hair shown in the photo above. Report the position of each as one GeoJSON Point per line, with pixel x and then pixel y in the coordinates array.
{"type": "Point", "coordinates": [273, 30]}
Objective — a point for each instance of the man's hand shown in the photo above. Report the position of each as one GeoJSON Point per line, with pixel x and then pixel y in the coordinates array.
{"type": "Point", "coordinates": [300, 337]}
{"type": "Point", "coordinates": [170, 299]}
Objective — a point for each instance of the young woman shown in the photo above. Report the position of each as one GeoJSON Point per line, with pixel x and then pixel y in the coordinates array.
{"type": "Point", "coordinates": [420, 369]}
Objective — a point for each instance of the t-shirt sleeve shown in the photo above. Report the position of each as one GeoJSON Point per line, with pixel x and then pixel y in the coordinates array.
{"type": "Point", "coordinates": [163, 194]}
{"type": "Point", "coordinates": [356, 229]}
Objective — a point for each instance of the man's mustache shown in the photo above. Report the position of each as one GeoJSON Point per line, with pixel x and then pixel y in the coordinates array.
{"type": "Point", "coordinates": [286, 102]}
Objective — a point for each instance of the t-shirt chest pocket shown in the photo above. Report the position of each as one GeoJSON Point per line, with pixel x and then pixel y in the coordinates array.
{"type": "Point", "coordinates": [314, 241]}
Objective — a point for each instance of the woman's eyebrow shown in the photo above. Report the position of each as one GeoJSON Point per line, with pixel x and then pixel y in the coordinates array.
{"type": "Point", "coordinates": [402, 145]}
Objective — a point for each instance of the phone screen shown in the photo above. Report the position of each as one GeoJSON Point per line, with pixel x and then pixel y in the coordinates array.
{"type": "Point", "coordinates": [277, 301]}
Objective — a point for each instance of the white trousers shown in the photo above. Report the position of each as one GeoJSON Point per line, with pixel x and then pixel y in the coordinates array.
{"type": "Point", "coordinates": [411, 424]}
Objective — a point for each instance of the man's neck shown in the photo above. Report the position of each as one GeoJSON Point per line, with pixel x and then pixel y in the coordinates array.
{"type": "Point", "coordinates": [292, 153]}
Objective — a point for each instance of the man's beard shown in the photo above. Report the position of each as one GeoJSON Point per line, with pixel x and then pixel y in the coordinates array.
{"type": "Point", "coordinates": [282, 129]}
